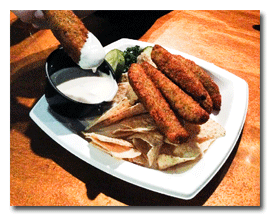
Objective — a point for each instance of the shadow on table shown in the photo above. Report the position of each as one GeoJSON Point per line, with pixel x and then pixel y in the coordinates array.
{"type": "Point", "coordinates": [98, 182]}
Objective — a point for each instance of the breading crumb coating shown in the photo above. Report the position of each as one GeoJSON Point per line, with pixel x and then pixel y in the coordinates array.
{"type": "Point", "coordinates": [206, 80]}
{"type": "Point", "coordinates": [69, 31]}
{"type": "Point", "coordinates": [180, 74]}
{"type": "Point", "coordinates": [156, 105]}
{"type": "Point", "coordinates": [183, 105]}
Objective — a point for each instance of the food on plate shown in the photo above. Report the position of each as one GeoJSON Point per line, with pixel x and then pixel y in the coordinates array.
{"type": "Point", "coordinates": [206, 80]}
{"type": "Point", "coordinates": [182, 76]}
{"type": "Point", "coordinates": [180, 102]}
{"type": "Point", "coordinates": [116, 147]}
{"type": "Point", "coordinates": [81, 45]}
{"type": "Point", "coordinates": [156, 105]}
{"type": "Point", "coordinates": [131, 54]}
{"type": "Point", "coordinates": [124, 105]}
{"type": "Point", "coordinates": [145, 56]}
{"type": "Point", "coordinates": [203, 136]}
{"type": "Point", "coordinates": [153, 122]}
{"type": "Point", "coordinates": [157, 152]}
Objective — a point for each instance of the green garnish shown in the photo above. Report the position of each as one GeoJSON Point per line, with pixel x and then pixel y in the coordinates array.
{"type": "Point", "coordinates": [131, 54]}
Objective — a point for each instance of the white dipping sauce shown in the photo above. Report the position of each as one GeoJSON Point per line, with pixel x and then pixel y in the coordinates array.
{"type": "Point", "coordinates": [90, 89]}
{"type": "Point", "coordinates": [92, 53]}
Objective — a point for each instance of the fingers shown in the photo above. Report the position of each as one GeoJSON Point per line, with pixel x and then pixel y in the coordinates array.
{"type": "Point", "coordinates": [26, 16]}
{"type": "Point", "coordinates": [37, 19]}
{"type": "Point", "coordinates": [34, 17]}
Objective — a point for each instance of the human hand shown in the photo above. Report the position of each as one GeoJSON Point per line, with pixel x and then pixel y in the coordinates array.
{"type": "Point", "coordinates": [37, 19]}
{"type": "Point", "coordinates": [34, 17]}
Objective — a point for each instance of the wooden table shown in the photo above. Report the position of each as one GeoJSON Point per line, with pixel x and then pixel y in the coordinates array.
{"type": "Point", "coordinates": [43, 173]}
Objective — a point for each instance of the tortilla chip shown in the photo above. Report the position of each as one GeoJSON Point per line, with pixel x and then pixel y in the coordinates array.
{"type": "Point", "coordinates": [166, 161]}
{"type": "Point", "coordinates": [171, 155]}
{"type": "Point", "coordinates": [113, 114]}
{"type": "Point", "coordinates": [208, 133]}
{"type": "Point", "coordinates": [118, 148]}
{"type": "Point", "coordinates": [140, 160]}
{"type": "Point", "coordinates": [202, 137]}
{"type": "Point", "coordinates": [100, 138]}
{"type": "Point", "coordinates": [137, 124]}
{"type": "Point", "coordinates": [124, 132]}
{"type": "Point", "coordinates": [148, 144]}
{"type": "Point", "coordinates": [125, 127]}
{"type": "Point", "coordinates": [210, 130]}
{"type": "Point", "coordinates": [125, 91]}
{"type": "Point", "coordinates": [131, 153]}
{"type": "Point", "coordinates": [204, 146]}
{"type": "Point", "coordinates": [126, 113]}
{"type": "Point", "coordinates": [123, 107]}
{"type": "Point", "coordinates": [139, 121]}
{"type": "Point", "coordinates": [122, 92]}
{"type": "Point", "coordinates": [131, 95]}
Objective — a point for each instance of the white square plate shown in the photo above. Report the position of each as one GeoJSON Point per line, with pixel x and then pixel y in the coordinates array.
{"type": "Point", "coordinates": [184, 185]}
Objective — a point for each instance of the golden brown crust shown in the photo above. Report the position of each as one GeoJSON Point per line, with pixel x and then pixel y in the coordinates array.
{"type": "Point", "coordinates": [180, 102]}
{"type": "Point", "coordinates": [180, 74]}
{"type": "Point", "coordinates": [206, 80]}
{"type": "Point", "coordinates": [69, 30]}
{"type": "Point", "coordinates": [156, 105]}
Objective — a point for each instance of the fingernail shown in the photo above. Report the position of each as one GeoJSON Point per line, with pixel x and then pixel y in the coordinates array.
{"type": "Point", "coordinates": [39, 14]}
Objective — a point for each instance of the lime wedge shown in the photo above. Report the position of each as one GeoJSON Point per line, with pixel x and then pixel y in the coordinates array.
{"type": "Point", "coordinates": [147, 50]}
{"type": "Point", "coordinates": [116, 59]}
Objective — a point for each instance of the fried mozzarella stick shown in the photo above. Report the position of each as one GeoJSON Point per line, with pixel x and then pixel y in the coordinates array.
{"type": "Point", "coordinates": [181, 103]}
{"type": "Point", "coordinates": [156, 105]}
{"type": "Point", "coordinates": [206, 80]}
{"type": "Point", "coordinates": [182, 76]}
{"type": "Point", "coordinates": [80, 44]}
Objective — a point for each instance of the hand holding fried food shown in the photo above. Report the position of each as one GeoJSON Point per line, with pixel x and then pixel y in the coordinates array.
{"type": "Point", "coordinates": [80, 44]}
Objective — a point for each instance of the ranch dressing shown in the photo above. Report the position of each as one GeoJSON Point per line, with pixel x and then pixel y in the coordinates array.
{"type": "Point", "coordinates": [90, 89]}
{"type": "Point", "coordinates": [92, 53]}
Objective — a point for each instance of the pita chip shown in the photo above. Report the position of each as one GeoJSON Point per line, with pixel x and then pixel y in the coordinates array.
{"type": "Point", "coordinates": [118, 148]}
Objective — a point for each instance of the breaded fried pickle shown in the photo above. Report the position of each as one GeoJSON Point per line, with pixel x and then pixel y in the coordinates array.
{"type": "Point", "coordinates": [180, 102]}
{"type": "Point", "coordinates": [69, 30]}
{"type": "Point", "coordinates": [180, 74]}
{"type": "Point", "coordinates": [206, 80]}
{"type": "Point", "coordinates": [156, 105]}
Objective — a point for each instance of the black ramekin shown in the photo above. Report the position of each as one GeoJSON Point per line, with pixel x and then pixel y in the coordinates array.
{"type": "Point", "coordinates": [60, 103]}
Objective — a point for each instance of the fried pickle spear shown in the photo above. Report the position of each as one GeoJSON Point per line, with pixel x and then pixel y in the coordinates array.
{"type": "Point", "coordinates": [181, 103]}
{"type": "Point", "coordinates": [206, 80]}
{"type": "Point", "coordinates": [80, 44]}
{"type": "Point", "coordinates": [156, 105]}
{"type": "Point", "coordinates": [182, 76]}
